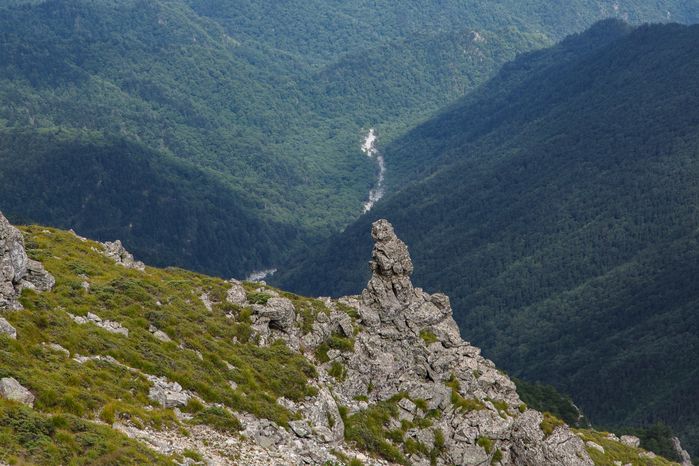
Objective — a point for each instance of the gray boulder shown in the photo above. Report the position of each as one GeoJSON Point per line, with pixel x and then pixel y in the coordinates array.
{"type": "Point", "coordinates": [17, 271]}
{"type": "Point", "coordinates": [236, 294]}
{"type": "Point", "coordinates": [121, 256]}
{"type": "Point", "coordinates": [168, 394]}
{"type": "Point", "coordinates": [277, 314]}
{"type": "Point", "coordinates": [631, 441]}
{"type": "Point", "coordinates": [7, 329]}
{"type": "Point", "coordinates": [10, 389]}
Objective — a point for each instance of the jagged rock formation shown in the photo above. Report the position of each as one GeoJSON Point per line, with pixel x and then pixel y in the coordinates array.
{"type": "Point", "coordinates": [17, 271]}
{"type": "Point", "coordinates": [411, 344]}
{"type": "Point", "coordinates": [407, 345]}
{"type": "Point", "coordinates": [683, 454]}
{"type": "Point", "coordinates": [115, 250]}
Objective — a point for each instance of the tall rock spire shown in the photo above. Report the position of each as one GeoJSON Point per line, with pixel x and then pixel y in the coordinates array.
{"type": "Point", "coordinates": [389, 288]}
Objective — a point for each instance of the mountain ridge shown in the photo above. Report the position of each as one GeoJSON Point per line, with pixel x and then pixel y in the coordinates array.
{"type": "Point", "coordinates": [281, 369]}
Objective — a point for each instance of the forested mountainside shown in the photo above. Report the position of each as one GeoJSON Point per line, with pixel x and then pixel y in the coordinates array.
{"type": "Point", "coordinates": [176, 213]}
{"type": "Point", "coordinates": [559, 211]}
{"type": "Point", "coordinates": [321, 30]}
{"type": "Point", "coordinates": [243, 93]}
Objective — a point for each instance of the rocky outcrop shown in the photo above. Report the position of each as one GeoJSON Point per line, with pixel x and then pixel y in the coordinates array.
{"type": "Point", "coordinates": [10, 389]}
{"type": "Point", "coordinates": [409, 346]}
{"type": "Point", "coordinates": [121, 256]}
{"type": "Point", "coordinates": [167, 394]}
{"type": "Point", "coordinates": [236, 294]}
{"type": "Point", "coordinates": [277, 314]}
{"type": "Point", "coordinates": [685, 459]}
{"type": "Point", "coordinates": [17, 271]}
{"type": "Point", "coordinates": [630, 441]}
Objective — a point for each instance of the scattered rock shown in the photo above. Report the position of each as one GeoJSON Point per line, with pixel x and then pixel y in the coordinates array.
{"type": "Point", "coordinates": [277, 314]}
{"type": "Point", "coordinates": [206, 301]}
{"type": "Point", "coordinates": [10, 389]}
{"type": "Point", "coordinates": [108, 325]}
{"type": "Point", "coordinates": [596, 446]}
{"type": "Point", "coordinates": [300, 428]}
{"type": "Point", "coordinates": [159, 334]}
{"type": "Point", "coordinates": [630, 441]}
{"type": "Point", "coordinates": [17, 271]}
{"type": "Point", "coordinates": [58, 348]}
{"type": "Point", "coordinates": [236, 294]}
{"type": "Point", "coordinates": [121, 256]}
{"type": "Point", "coordinates": [168, 394]}
{"type": "Point", "coordinates": [7, 329]}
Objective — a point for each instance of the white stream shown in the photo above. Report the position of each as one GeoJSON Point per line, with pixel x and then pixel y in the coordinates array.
{"type": "Point", "coordinates": [258, 275]}
{"type": "Point", "coordinates": [370, 150]}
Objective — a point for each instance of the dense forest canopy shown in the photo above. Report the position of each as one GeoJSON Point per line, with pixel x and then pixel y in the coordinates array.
{"type": "Point", "coordinates": [272, 99]}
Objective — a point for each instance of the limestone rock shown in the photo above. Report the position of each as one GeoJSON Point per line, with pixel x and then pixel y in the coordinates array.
{"type": "Point", "coordinates": [10, 389]}
{"type": "Point", "coordinates": [168, 394]}
{"type": "Point", "coordinates": [17, 271]}
{"type": "Point", "coordinates": [389, 288]}
{"type": "Point", "coordinates": [630, 441]}
{"type": "Point", "coordinates": [596, 446]}
{"type": "Point", "coordinates": [116, 251]}
{"type": "Point", "coordinates": [408, 342]}
{"type": "Point", "coordinates": [7, 329]}
{"type": "Point", "coordinates": [277, 314]}
{"type": "Point", "coordinates": [685, 459]}
{"type": "Point", "coordinates": [108, 325]}
{"type": "Point", "coordinates": [236, 294]}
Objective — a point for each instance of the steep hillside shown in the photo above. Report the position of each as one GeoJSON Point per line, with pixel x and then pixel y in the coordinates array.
{"type": "Point", "coordinates": [108, 187]}
{"type": "Point", "coordinates": [106, 361]}
{"type": "Point", "coordinates": [270, 98]}
{"type": "Point", "coordinates": [558, 208]}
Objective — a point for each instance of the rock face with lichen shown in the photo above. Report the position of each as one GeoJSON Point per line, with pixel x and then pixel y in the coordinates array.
{"type": "Point", "coordinates": [17, 271]}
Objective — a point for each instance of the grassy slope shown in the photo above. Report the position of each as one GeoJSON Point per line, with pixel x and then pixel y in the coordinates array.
{"type": "Point", "coordinates": [96, 390]}
{"type": "Point", "coordinates": [74, 401]}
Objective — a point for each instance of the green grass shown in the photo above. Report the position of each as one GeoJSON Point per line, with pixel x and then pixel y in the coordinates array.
{"type": "Point", "coordinates": [428, 337]}
{"type": "Point", "coordinates": [367, 429]}
{"type": "Point", "coordinates": [219, 419]}
{"type": "Point", "coordinates": [68, 390]}
{"type": "Point", "coordinates": [486, 443]}
{"type": "Point", "coordinates": [461, 403]}
{"type": "Point", "coordinates": [617, 451]}
{"type": "Point", "coordinates": [338, 370]}
{"type": "Point", "coordinates": [27, 436]}
{"type": "Point", "coordinates": [549, 424]}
